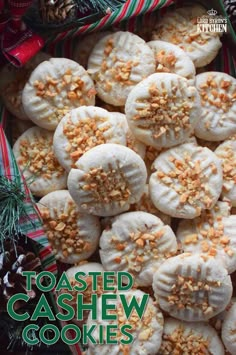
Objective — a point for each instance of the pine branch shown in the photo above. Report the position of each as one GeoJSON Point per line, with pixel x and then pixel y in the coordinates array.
{"type": "Point", "coordinates": [99, 6]}
{"type": "Point", "coordinates": [12, 210]}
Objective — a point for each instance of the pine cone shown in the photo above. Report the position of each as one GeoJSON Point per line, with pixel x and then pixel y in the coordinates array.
{"type": "Point", "coordinates": [57, 11]}
{"type": "Point", "coordinates": [230, 7]}
{"type": "Point", "coordinates": [12, 263]}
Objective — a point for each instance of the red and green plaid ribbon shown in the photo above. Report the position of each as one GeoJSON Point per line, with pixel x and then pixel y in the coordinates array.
{"type": "Point", "coordinates": [31, 227]}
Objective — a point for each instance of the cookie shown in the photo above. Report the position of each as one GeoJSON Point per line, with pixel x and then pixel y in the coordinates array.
{"type": "Point", "coordinates": [73, 235]}
{"type": "Point", "coordinates": [186, 181]}
{"type": "Point", "coordinates": [13, 81]}
{"type": "Point", "coordinates": [117, 63]}
{"type": "Point", "coordinates": [55, 87]}
{"type": "Point", "coordinates": [137, 242]}
{"type": "Point", "coordinates": [35, 157]}
{"type": "Point", "coordinates": [145, 205]}
{"type": "Point", "coordinates": [229, 330]}
{"type": "Point", "coordinates": [82, 129]}
{"type": "Point", "coordinates": [227, 153]}
{"type": "Point", "coordinates": [180, 28]}
{"type": "Point", "coordinates": [131, 142]}
{"type": "Point", "coordinates": [107, 180]}
{"type": "Point", "coordinates": [163, 110]}
{"type": "Point", "coordinates": [189, 338]}
{"type": "Point", "coordinates": [218, 99]}
{"type": "Point", "coordinates": [172, 59]}
{"type": "Point", "coordinates": [85, 45]}
{"type": "Point", "coordinates": [146, 331]}
{"type": "Point", "coordinates": [192, 287]}
{"type": "Point", "coordinates": [213, 234]}
{"type": "Point", "coordinates": [84, 267]}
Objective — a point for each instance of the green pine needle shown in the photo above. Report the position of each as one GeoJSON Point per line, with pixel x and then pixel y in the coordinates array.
{"type": "Point", "coordinates": [12, 210]}
{"type": "Point", "coordinates": [100, 5]}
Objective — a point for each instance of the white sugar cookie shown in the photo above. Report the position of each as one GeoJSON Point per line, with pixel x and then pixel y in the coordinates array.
{"type": "Point", "coordinates": [117, 63]}
{"type": "Point", "coordinates": [180, 27]}
{"type": "Point", "coordinates": [34, 155]}
{"type": "Point", "coordinates": [85, 45]}
{"type": "Point", "coordinates": [55, 87]}
{"type": "Point", "coordinates": [72, 235]}
{"type": "Point", "coordinates": [227, 153]}
{"type": "Point", "coordinates": [146, 331]}
{"type": "Point", "coordinates": [228, 333]}
{"type": "Point", "coordinates": [213, 234]}
{"type": "Point", "coordinates": [13, 81]}
{"type": "Point", "coordinates": [193, 337]}
{"type": "Point", "coordinates": [218, 98]}
{"type": "Point", "coordinates": [163, 110]}
{"type": "Point", "coordinates": [187, 180]}
{"type": "Point", "coordinates": [82, 129]}
{"type": "Point", "coordinates": [192, 287]}
{"type": "Point", "coordinates": [172, 59]}
{"type": "Point", "coordinates": [131, 142]}
{"type": "Point", "coordinates": [107, 180]}
{"type": "Point", "coordinates": [137, 242]}
{"type": "Point", "coordinates": [84, 267]}
{"type": "Point", "coordinates": [145, 205]}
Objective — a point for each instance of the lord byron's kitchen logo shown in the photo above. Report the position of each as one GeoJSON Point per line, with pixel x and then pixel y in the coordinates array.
{"type": "Point", "coordinates": [211, 22]}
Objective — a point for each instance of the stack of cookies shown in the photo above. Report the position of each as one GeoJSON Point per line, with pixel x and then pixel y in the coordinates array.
{"type": "Point", "coordinates": [134, 156]}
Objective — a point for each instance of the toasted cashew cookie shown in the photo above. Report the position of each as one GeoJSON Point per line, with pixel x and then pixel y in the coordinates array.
{"type": "Point", "coordinates": [218, 98]}
{"type": "Point", "coordinates": [73, 235]}
{"type": "Point", "coordinates": [82, 129]}
{"type": "Point", "coordinates": [163, 110]}
{"type": "Point", "coordinates": [137, 242]}
{"type": "Point", "coordinates": [227, 153]}
{"type": "Point", "coordinates": [55, 87]}
{"type": "Point", "coordinates": [107, 180]}
{"type": "Point", "coordinates": [13, 81]}
{"type": "Point", "coordinates": [145, 205]}
{"type": "Point", "coordinates": [194, 338]}
{"type": "Point", "coordinates": [84, 267]}
{"type": "Point", "coordinates": [131, 142]}
{"type": "Point", "coordinates": [192, 287]}
{"type": "Point", "coordinates": [146, 332]}
{"type": "Point", "coordinates": [187, 180]}
{"type": "Point", "coordinates": [34, 155]}
{"type": "Point", "coordinates": [213, 234]}
{"type": "Point", "coordinates": [85, 45]}
{"type": "Point", "coordinates": [228, 333]}
{"type": "Point", "coordinates": [117, 63]}
{"type": "Point", "coordinates": [180, 27]}
{"type": "Point", "coordinates": [172, 59]}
